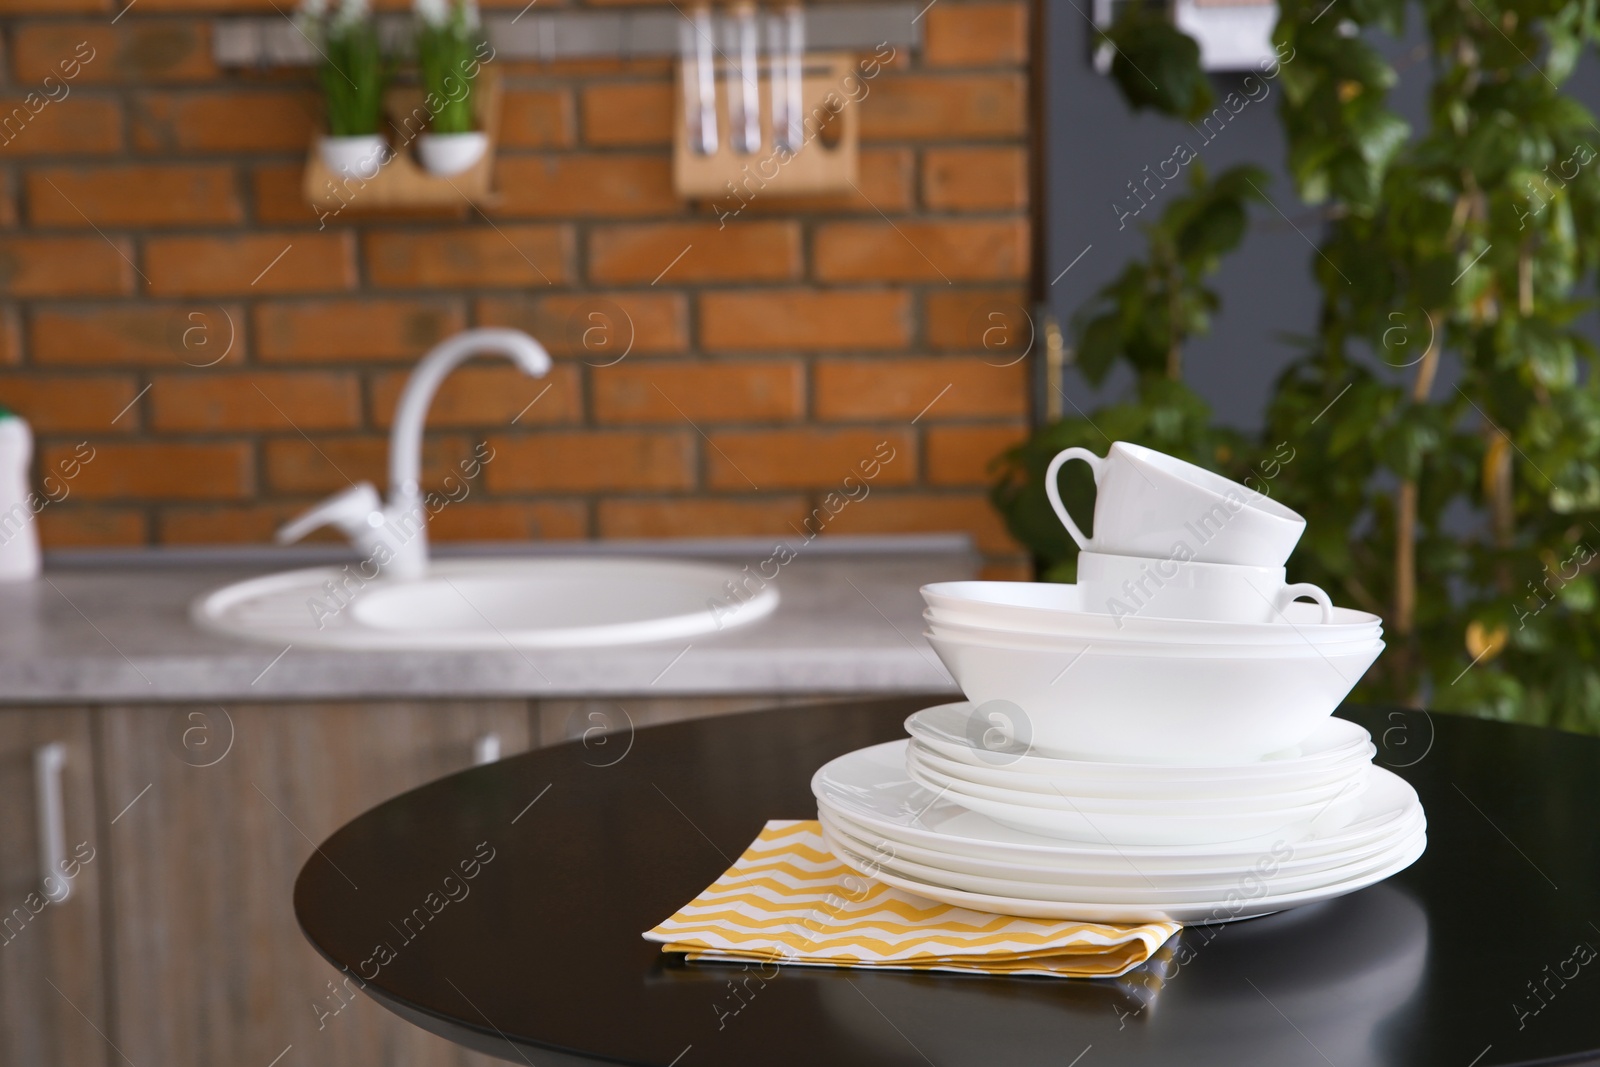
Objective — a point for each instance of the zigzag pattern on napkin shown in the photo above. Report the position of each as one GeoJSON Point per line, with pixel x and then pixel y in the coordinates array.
{"type": "Point", "coordinates": [787, 900]}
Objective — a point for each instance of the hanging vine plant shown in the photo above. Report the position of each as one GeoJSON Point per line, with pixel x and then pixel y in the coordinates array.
{"type": "Point", "coordinates": [1467, 445]}
{"type": "Point", "coordinates": [1445, 417]}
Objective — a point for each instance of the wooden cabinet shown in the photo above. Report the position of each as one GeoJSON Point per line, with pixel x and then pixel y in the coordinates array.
{"type": "Point", "coordinates": [52, 989]}
{"type": "Point", "coordinates": [206, 960]}
{"type": "Point", "coordinates": [184, 828]}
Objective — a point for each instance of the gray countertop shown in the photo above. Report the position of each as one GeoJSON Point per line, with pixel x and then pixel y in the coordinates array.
{"type": "Point", "coordinates": [114, 627]}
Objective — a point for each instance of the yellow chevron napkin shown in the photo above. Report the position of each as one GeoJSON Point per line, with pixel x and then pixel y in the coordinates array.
{"type": "Point", "coordinates": [787, 900]}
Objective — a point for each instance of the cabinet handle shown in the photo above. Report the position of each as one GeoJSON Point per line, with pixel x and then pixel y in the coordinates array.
{"type": "Point", "coordinates": [48, 761]}
{"type": "Point", "coordinates": [486, 749]}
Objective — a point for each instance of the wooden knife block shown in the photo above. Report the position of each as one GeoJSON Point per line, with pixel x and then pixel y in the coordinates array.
{"type": "Point", "coordinates": [825, 163]}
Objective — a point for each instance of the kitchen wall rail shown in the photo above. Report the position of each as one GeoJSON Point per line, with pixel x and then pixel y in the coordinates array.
{"type": "Point", "coordinates": [273, 40]}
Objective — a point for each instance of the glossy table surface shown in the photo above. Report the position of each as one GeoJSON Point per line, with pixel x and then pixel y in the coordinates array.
{"type": "Point", "coordinates": [1482, 954]}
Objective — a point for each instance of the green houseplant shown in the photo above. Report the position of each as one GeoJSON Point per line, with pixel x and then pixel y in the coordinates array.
{"type": "Point", "coordinates": [353, 75]}
{"type": "Point", "coordinates": [1442, 426]}
{"type": "Point", "coordinates": [1469, 447]}
{"type": "Point", "coordinates": [450, 49]}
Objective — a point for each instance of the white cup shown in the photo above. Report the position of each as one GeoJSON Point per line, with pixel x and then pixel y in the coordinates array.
{"type": "Point", "coordinates": [1170, 588]}
{"type": "Point", "coordinates": [1150, 504]}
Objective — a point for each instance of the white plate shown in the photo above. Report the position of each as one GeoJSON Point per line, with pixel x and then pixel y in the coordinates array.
{"type": "Point", "coordinates": [1225, 909]}
{"type": "Point", "coordinates": [1131, 891]}
{"type": "Point", "coordinates": [988, 737]}
{"type": "Point", "coordinates": [921, 767]}
{"type": "Point", "coordinates": [1190, 797]}
{"type": "Point", "coordinates": [1070, 823]}
{"type": "Point", "coordinates": [978, 844]}
{"type": "Point", "coordinates": [951, 728]}
{"type": "Point", "coordinates": [869, 787]}
{"type": "Point", "coordinates": [1118, 870]}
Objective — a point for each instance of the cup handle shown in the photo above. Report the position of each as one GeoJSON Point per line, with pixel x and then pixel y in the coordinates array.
{"type": "Point", "coordinates": [1096, 464]}
{"type": "Point", "coordinates": [1290, 593]}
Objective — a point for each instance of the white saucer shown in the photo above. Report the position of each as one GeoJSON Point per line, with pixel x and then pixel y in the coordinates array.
{"type": "Point", "coordinates": [958, 731]}
{"type": "Point", "coordinates": [1287, 789]}
{"type": "Point", "coordinates": [1045, 792]}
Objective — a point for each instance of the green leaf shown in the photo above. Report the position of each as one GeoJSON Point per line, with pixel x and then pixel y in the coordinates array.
{"type": "Point", "coordinates": [1099, 345]}
{"type": "Point", "coordinates": [1157, 65]}
{"type": "Point", "coordinates": [1212, 232]}
{"type": "Point", "coordinates": [1379, 136]}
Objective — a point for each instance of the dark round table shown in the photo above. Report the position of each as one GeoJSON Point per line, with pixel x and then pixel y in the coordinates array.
{"type": "Point", "coordinates": [501, 908]}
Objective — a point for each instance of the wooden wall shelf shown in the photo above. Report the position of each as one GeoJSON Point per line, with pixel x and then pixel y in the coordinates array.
{"type": "Point", "coordinates": [402, 183]}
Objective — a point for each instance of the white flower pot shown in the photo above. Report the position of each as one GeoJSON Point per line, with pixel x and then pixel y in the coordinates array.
{"type": "Point", "coordinates": [361, 156]}
{"type": "Point", "coordinates": [444, 154]}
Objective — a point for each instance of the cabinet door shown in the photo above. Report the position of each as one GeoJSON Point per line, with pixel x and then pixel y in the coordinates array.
{"type": "Point", "coordinates": [210, 966]}
{"type": "Point", "coordinates": [52, 964]}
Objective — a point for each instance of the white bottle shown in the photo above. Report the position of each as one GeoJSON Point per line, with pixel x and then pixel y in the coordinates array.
{"type": "Point", "coordinates": [19, 536]}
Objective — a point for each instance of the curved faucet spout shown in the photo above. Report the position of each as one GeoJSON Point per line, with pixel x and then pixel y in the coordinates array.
{"type": "Point", "coordinates": [405, 439]}
{"type": "Point", "coordinates": [393, 536]}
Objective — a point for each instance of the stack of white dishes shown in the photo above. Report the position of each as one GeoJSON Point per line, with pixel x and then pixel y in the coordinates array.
{"type": "Point", "coordinates": [1154, 742]}
{"type": "Point", "coordinates": [936, 844]}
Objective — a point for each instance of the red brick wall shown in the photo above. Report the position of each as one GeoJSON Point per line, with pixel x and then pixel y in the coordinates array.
{"type": "Point", "coordinates": [161, 193]}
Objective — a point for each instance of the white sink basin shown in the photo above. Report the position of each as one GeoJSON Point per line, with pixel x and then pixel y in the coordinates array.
{"type": "Point", "coordinates": [488, 603]}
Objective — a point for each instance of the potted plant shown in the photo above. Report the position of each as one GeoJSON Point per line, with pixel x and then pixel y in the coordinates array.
{"type": "Point", "coordinates": [353, 75]}
{"type": "Point", "coordinates": [448, 48]}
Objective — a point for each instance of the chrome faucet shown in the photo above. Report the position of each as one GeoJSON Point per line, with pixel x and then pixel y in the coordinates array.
{"type": "Point", "coordinates": [394, 536]}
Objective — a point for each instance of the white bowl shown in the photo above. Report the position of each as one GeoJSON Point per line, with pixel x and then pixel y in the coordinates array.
{"type": "Point", "coordinates": [1053, 607]}
{"type": "Point", "coordinates": [1120, 643]}
{"type": "Point", "coordinates": [1128, 707]}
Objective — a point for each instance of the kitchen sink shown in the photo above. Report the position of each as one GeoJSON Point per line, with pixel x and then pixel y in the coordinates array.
{"type": "Point", "coordinates": [572, 602]}
{"type": "Point", "coordinates": [399, 597]}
